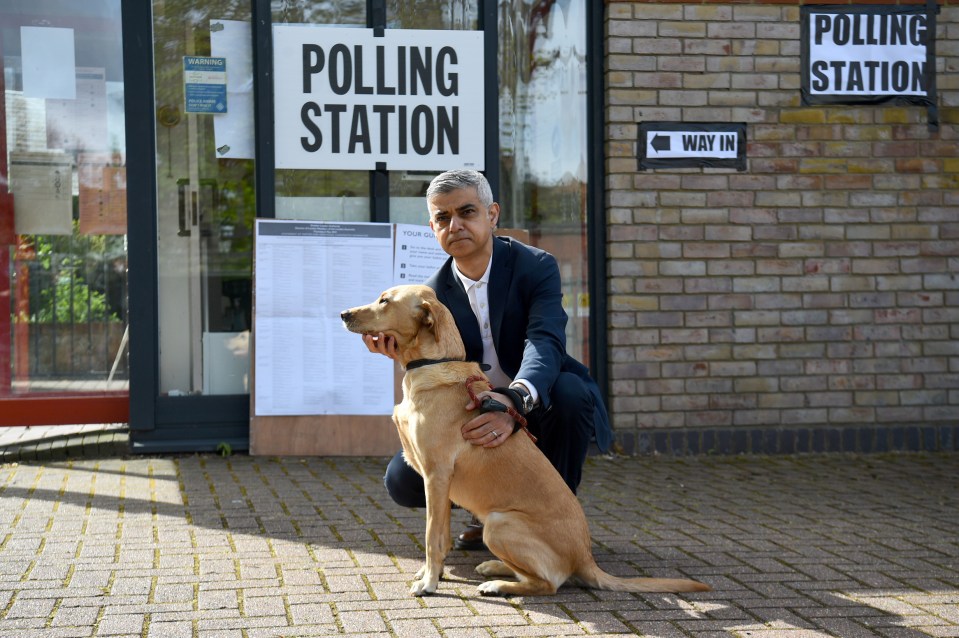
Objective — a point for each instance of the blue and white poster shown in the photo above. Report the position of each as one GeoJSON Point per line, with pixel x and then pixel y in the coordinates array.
{"type": "Point", "coordinates": [204, 84]}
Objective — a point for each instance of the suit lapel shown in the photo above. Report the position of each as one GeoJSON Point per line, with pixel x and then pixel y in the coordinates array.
{"type": "Point", "coordinates": [499, 279]}
{"type": "Point", "coordinates": [454, 297]}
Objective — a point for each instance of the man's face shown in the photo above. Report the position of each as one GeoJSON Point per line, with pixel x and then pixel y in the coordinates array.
{"type": "Point", "coordinates": [463, 225]}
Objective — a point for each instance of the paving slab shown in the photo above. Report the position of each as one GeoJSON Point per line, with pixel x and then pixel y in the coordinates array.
{"type": "Point", "coordinates": [248, 547]}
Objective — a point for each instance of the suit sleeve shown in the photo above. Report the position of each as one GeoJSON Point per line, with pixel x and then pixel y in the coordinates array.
{"type": "Point", "coordinates": [544, 349]}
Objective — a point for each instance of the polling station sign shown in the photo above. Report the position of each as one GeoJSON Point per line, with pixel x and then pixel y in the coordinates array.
{"type": "Point", "coordinates": [690, 144]}
{"type": "Point", "coordinates": [868, 54]}
{"type": "Point", "coordinates": [349, 99]}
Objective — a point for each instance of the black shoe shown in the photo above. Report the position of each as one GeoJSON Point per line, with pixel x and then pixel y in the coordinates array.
{"type": "Point", "coordinates": [471, 538]}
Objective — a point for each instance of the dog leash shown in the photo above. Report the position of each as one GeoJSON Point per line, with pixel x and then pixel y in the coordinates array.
{"type": "Point", "coordinates": [498, 407]}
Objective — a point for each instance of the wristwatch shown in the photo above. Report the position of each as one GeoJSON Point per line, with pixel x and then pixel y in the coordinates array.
{"type": "Point", "coordinates": [526, 399]}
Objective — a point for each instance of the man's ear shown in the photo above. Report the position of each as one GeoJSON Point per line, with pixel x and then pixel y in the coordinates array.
{"type": "Point", "coordinates": [494, 214]}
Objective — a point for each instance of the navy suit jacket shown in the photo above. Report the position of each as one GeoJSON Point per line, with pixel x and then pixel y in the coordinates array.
{"type": "Point", "coordinates": [528, 322]}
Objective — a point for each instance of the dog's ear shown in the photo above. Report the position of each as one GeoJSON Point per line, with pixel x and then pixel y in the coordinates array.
{"type": "Point", "coordinates": [428, 319]}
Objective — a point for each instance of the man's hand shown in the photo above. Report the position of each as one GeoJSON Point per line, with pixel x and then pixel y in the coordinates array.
{"type": "Point", "coordinates": [381, 344]}
{"type": "Point", "coordinates": [490, 429]}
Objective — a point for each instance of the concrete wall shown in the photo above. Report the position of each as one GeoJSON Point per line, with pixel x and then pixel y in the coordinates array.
{"type": "Point", "coordinates": [808, 303]}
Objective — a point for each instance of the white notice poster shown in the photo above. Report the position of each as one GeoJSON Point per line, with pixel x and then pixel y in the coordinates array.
{"type": "Point", "coordinates": [80, 124]}
{"type": "Point", "coordinates": [307, 273]}
{"type": "Point", "coordinates": [418, 254]}
{"type": "Point", "coordinates": [41, 184]}
{"type": "Point", "coordinates": [233, 130]}
{"type": "Point", "coordinates": [49, 61]}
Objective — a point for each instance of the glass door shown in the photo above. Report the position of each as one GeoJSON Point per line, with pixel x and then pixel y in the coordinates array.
{"type": "Point", "coordinates": [205, 196]}
{"type": "Point", "coordinates": [63, 214]}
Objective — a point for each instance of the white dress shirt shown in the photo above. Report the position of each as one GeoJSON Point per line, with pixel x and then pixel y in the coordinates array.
{"type": "Point", "coordinates": [478, 294]}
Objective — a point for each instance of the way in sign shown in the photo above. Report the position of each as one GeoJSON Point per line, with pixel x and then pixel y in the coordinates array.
{"type": "Point", "coordinates": [688, 144]}
{"type": "Point", "coordinates": [708, 142]}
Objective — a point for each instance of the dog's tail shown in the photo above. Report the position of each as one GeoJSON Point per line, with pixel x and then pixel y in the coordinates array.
{"type": "Point", "coordinates": [596, 578]}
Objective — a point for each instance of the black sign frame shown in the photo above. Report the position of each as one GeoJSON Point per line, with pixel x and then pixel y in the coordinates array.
{"type": "Point", "coordinates": [646, 128]}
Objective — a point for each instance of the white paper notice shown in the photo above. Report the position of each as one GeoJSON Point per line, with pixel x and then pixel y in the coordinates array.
{"type": "Point", "coordinates": [43, 196]}
{"type": "Point", "coordinates": [81, 123]}
{"type": "Point", "coordinates": [233, 130]}
{"type": "Point", "coordinates": [418, 254]}
{"type": "Point", "coordinates": [49, 62]}
{"type": "Point", "coordinates": [307, 273]}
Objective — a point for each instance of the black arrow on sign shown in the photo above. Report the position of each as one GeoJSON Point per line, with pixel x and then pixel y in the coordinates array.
{"type": "Point", "coordinates": [660, 143]}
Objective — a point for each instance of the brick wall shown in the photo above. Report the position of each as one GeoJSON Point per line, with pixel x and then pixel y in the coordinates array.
{"type": "Point", "coordinates": [808, 303]}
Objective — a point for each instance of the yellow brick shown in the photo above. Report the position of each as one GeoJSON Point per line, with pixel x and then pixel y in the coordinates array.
{"type": "Point", "coordinates": [822, 165]}
{"type": "Point", "coordinates": [950, 165]}
{"type": "Point", "coordinates": [868, 166]}
{"type": "Point", "coordinates": [624, 302]}
{"type": "Point", "coordinates": [893, 116]}
{"type": "Point", "coordinates": [620, 149]}
{"type": "Point", "coordinates": [620, 78]}
{"type": "Point", "coordinates": [870, 133]}
{"type": "Point", "coordinates": [949, 115]}
{"type": "Point", "coordinates": [940, 181]}
{"type": "Point", "coordinates": [850, 116]}
{"type": "Point", "coordinates": [803, 116]}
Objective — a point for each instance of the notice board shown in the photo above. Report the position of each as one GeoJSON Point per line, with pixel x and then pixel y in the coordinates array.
{"type": "Point", "coordinates": [316, 390]}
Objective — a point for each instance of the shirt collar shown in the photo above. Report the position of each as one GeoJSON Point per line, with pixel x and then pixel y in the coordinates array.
{"type": "Point", "coordinates": [467, 282]}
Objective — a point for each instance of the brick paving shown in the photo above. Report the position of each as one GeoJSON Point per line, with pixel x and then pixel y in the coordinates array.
{"type": "Point", "coordinates": [795, 547]}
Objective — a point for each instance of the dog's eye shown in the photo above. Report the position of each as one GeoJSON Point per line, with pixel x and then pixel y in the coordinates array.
{"type": "Point", "coordinates": [384, 300]}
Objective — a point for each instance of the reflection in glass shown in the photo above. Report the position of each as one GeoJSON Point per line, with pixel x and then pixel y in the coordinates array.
{"type": "Point", "coordinates": [329, 12]}
{"type": "Point", "coordinates": [63, 266]}
{"type": "Point", "coordinates": [542, 119]}
{"type": "Point", "coordinates": [432, 14]}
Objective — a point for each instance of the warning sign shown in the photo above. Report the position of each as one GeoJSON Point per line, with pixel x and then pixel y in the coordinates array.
{"type": "Point", "coordinates": [204, 83]}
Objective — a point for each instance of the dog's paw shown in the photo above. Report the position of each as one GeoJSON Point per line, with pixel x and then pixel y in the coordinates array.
{"type": "Point", "coordinates": [422, 587]}
{"type": "Point", "coordinates": [491, 588]}
{"type": "Point", "coordinates": [420, 573]}
{"type": "Point", "coordinates": [492, 568]}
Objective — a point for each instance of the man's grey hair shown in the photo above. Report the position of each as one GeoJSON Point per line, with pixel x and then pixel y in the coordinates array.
{"type": "Point", "coordinates": [455, 180]}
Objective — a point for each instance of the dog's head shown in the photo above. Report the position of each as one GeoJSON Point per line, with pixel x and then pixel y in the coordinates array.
{"type": "Point", "coordinates": [422, 326]}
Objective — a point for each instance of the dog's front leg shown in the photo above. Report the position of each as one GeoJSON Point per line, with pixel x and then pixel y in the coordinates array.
{"type": "Point", "coordinates": [438, 540]}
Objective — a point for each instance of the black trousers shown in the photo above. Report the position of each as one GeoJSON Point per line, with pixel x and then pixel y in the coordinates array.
{"type": "Point", "coordinates": [563, 433]}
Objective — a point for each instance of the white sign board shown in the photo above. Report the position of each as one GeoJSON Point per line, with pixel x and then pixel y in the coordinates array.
{"type": "Point", "coordinates": [679, 143]}
{"type": "Point", "coordinates": [867, 54]}
{"type": "Point", "coordinates": [686, 144]}
{"type": "Point", "coordinates": [348, 99]}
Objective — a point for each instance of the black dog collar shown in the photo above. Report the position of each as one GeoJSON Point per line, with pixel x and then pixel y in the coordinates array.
{"type": "Point", "coordinates": [419, 363]}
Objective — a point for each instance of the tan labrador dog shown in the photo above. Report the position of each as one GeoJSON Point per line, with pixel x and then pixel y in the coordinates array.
{"type": "Point", "coordinates": [534, 524]}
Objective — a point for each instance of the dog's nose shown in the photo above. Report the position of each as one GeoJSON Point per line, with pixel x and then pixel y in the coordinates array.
{"type": "Point", "coordinates": [346, 315]}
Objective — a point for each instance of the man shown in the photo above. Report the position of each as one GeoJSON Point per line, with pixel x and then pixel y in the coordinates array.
{"type": "Point", "coordinates": [507, 303]}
